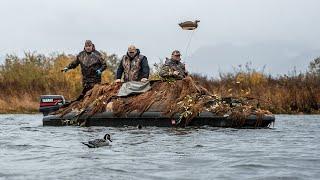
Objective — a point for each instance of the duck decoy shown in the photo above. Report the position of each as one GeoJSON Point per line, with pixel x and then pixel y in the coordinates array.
{"type": "Point", "coordinates": [99, 142]}
{"type": "Point", "coordinates": [189, 25]}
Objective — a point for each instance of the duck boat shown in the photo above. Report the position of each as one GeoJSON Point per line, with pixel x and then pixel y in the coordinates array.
{"type": "Point", "coordinates": [179, 104]}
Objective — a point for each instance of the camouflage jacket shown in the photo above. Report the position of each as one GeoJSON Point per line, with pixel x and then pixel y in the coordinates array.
{"type": "Point", "coordinates": [170, 66]}
{"type": "Point", "coordinates": [90, 63]}
{"type": "Point", "coordinates": [133, 69]}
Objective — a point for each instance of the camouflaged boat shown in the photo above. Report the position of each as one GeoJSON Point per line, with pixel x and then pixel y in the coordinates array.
{"type": "Point", "coordinates": [165, 104]}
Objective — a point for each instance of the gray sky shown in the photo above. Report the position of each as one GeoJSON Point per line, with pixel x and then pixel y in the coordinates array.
{"type": "Point", "coordinates": [63, 25]}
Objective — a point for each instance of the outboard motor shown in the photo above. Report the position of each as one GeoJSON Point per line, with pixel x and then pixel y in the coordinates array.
{"type": "Point", "coordinates": [51, 103]}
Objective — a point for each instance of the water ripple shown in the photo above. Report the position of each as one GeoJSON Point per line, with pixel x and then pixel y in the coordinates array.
{"type": "Point", "coordinates": [290, 150]}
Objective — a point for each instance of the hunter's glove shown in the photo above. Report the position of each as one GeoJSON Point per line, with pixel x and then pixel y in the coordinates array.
{"type": "Point", "coordinates": [65, 69]}
{"type": "Point", "coordinates": [98, 72]}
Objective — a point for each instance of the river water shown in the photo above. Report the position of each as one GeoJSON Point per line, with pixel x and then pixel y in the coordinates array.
{"type": "Point", "coordinates": [289, 150]}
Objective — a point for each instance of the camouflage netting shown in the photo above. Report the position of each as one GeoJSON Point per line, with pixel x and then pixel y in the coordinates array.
{"type": "Point", "coordinates": [182, 97]}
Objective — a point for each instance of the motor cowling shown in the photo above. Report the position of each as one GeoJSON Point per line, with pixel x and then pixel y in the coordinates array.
{"type": "Point", "coordinates": [50, 103]}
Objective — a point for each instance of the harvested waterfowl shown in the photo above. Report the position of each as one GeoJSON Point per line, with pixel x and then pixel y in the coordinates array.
{"type": "Point", "coordinates": [99, 142]}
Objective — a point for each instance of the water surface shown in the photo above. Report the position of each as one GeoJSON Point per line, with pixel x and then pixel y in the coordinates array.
{"type": "Point", "coordinates": [290, 150]}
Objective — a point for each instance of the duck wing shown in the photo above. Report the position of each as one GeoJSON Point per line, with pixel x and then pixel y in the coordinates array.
{"type": "Point", "coordinates": [186, 23]}
{"type": "Point", "coordinates": [88, 144]}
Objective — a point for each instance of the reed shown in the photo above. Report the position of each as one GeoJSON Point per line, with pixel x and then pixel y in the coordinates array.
{"type": "Point", "coordinates": [293, 93]}
{"type": "Point", "coordinates": [36, 74]}
{"type": "Point", "coordinates": [23, 80]}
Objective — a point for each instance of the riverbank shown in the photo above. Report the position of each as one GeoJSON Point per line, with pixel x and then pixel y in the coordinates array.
{"type": "Point", "coordinates": [18, 106]}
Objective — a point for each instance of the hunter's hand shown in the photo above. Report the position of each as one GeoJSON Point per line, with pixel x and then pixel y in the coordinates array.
{"type": "Point", "coordinates": [98, 72]}
{"type": "Point", "coordinates": [144, 80]}
{"type": "Point", "coordinates": [176, 73]}
{"type": "Point", "coordinates": [117, 81]}
{"type": "Point", "coordinates": [65, 69]}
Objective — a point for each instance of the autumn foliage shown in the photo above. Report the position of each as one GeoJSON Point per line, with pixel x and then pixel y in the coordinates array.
{"type": "Point", "coordinates": [23, 80]}
{"type": "Point", "coordinates": [294, 93]}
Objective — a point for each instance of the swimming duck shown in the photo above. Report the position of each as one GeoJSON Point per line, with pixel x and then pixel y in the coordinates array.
{"type": "Point", "coordinates": [189, 25]}
{"type": "Point", "coordinates": [99, 142]}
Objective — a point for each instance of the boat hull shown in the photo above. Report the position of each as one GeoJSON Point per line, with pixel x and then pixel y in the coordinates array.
{"type": "Point", "coordinates": [156, 119]}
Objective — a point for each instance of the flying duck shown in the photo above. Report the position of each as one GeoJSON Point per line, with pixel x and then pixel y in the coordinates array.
{"type": "Point", "coordinates": [99, 142]}
{"type": "Point", "coordinates": [189, 25]}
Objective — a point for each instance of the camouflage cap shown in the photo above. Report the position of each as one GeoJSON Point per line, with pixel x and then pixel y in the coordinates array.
{"type": "Point", "coordinates": [88, 43]}
{"type": "Point", "coordinates": [175, 52]}
{"type": "Point", "coordinates": [132, 48]}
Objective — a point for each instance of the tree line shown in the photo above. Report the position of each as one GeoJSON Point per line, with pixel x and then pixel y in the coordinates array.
{"type": "Point", "coordinates": [24, 79]}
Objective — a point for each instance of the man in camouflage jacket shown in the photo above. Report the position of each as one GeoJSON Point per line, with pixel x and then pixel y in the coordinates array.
{"type": "Point", "coordinates": [173, 68]}
{"type": "Point", "coordinates": [92, 65]}
{"type": "Point", "coordinates": [133, 66]}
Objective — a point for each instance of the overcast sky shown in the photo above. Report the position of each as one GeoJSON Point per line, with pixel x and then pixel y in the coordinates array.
{"type": "Point", "coordinates": [63, 25]}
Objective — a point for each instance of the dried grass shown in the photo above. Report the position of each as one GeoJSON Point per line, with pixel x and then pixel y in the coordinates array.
{"type": "Point", "coordinates": [18, 104]}
{"type": "Point", "coordinates": [184, 98]}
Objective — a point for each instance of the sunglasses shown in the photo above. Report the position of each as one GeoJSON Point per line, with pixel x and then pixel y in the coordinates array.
{"type": "Point", "coordinates": [131, 52]}
{"type": "Point", "coordinates": [177, 55]}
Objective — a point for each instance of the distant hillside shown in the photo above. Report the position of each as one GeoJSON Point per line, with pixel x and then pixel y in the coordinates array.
{"type": "Point", "coordinates": [279, 58]}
